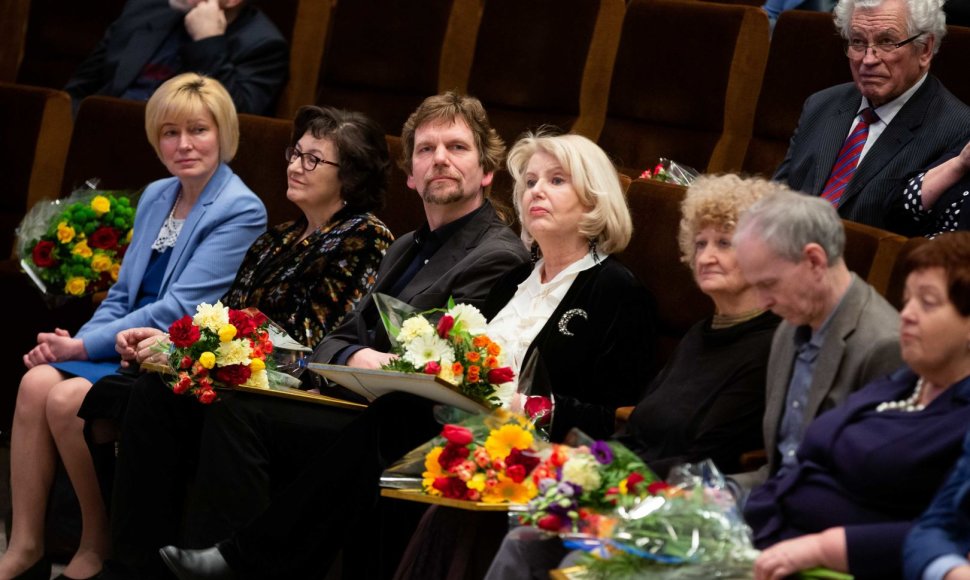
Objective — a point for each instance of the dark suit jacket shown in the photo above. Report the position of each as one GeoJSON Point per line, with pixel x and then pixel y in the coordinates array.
{"type": "Point", "coordinates": [929, 124]}
{"type": "Point", "coordinates": [606, 359]}
{"type": "Point", "coordinates": [945, 527]}
{"type": "Point", "coordinates": [870, 473]}
{"type": "Point", "coordinates": [861, 344]}
{"type": "Point", "coordinates": [251, 59]}
{"type": "Point", "coordinates": [465, 267]}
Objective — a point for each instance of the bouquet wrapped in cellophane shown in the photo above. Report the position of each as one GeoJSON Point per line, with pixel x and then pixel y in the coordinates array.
{"type": "Point", "coordinates": [74, 246]}
{"type": "Point", "coordinates": [447, 342]}
{"type": "Point", "coordinates": [670, 171]}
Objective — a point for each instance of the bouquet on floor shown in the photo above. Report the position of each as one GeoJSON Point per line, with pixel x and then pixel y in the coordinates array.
{"type": "Point", "coordinates": [449, 343]}
{"type": "Point", "coordinates": [219, 347]}
{"type": "Point", "coordinates": [580, 483]}
{"type": "Point", "coordinates": [670, 171]}
{"type": "Point", "coordinates": [485, 458]}
{"type": "Point", "coordinates": [73, 247]}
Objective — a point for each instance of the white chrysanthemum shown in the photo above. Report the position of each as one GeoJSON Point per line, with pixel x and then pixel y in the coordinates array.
{"type": "Point", "coordinates": [506, 393]}
{"type": "Point", "coordinates": [414, 327]}
{"type": "Point", "coordinates": [472, 321]}
{"type": "Point", "coordinates": [211, 317]}
{"type": "Point", "coordinates": [235, 352]}
{"type": "Point", "coordinates": [426, 348]}
{"type": "Point", "coordinates": [582, 469]}
{"type": "Point", "coordinates": [259, 379]}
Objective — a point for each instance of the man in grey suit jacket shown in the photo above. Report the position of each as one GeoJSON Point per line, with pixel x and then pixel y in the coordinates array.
{"type": "Point", "coordinates": [889, 48]}
{"type": "Point", "coordinates": [838, 334]}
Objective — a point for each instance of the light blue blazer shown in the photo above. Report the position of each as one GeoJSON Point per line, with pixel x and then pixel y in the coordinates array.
{"type": "Point", "coordinates": [222, 225]}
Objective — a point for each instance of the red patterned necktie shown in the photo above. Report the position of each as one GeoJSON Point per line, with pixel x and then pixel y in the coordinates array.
{"type": "Point", "coordinates": [848, 158]}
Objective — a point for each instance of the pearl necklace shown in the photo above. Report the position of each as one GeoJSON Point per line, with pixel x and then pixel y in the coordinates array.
{"type": "Point", "coordinates": [907, 405]}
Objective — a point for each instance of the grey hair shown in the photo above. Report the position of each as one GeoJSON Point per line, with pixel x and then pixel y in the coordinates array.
{"type": "Point", "coordinates": [787, 221]}
{"type": "Point", "coordinates": [926, 16]}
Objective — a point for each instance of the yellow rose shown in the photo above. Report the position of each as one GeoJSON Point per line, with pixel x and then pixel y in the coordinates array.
{"type": "Point", "coordinates": [65, 233]}
{"type": "Point", "coordinates": [128, 237]}
{"type": "Point", "coordinates": [227, 333]}
{"type": "Point", "coordinates": [257, 365]}
{"type": "Point", "coordinates": [81, 249]}
{"type": "Point", "coordinates": [75, 285]}
{"type": "Point", "coordinates": [100, 263]}
{"type": "Point", "coordinates": [115, 268]}
{"type": "Point", "coordinates": [207, 359]}
{"type": "Point", "coordinates": [100, 205]}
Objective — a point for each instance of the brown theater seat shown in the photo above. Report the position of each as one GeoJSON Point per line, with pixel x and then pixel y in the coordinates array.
{"type": "Point", "coordinates": [806, 56]}
{"type": "Point", "coordinates": [684, 84]}
{"type": "Point", "coordinates": [36, 129]}
{"type": "Point", "coordinates": [862, 245]}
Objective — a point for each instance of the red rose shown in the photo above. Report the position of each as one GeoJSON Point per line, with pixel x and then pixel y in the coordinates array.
{"type": "Point", "coordinates": [526, 459]}
{"type": "Point", "coordinates": [500, 375]}
{"type": "Point", "coordinates": [445, 325]}
{"type": "Point", "coordinates": [539, 409]}
{"type": "Point", "coordinates": [244, 323]}
{"type": "Point", "coordinates": [550, 522]}
{"type": "Point", "coordinates": [104, 238]}
{"type": "Point", "coordinates": [452, 455]}
{"type": "Point", "coordinates": [656, 487]}
{"type": "Point", "coordinates": [183, 384]}
{"type": "Point", "coordinates": [183, 333]}
{"type": "Point", "coordinates": [258, 317]}
{"type": "Point", "coordinates": [233, 374]}
{"type": "Point", "coordinates": [516, 472]}
{"type": "Point", "coordinates": [43, 254]}
{"type": "Point", "coordinates": [632, 481]}
{"type": "Point", "coordinates": [186, 362]}
{"type": "Point", "coordinates": [432, 368]}
{"type": "Point", "coordinates": [451, 487]}
{"type": "Point", "coordinates": [457, 435]}
{"type": "Point", "coordinates": [206, 396]}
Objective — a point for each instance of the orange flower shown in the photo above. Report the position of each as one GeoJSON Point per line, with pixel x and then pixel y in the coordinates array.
{"type": "Point", "coordinates": [494, 349]}
{"type": "Point", "coordinates": [473, 356]}
{"type": "Point", "coordinates": [491, 362]}
{"type": "Point", "coordinates": [473, 371]}
{"type": "Point", "coordinates": [480, 341]}
{"type": "Point", "coordinates": [457, 369]}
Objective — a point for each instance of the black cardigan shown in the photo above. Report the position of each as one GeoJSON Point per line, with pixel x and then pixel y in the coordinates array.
{"type": "Point", "coordinates": [607, 356]}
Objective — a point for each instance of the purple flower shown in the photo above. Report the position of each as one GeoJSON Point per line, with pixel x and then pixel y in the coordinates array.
{"type": "Point", "coordinates": [569, 489]}
{"type": "Point", "coordinates": [602, 452]}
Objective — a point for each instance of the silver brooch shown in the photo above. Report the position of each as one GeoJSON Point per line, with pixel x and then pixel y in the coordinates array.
{"type": "Point", "coordinates": [567, 316]}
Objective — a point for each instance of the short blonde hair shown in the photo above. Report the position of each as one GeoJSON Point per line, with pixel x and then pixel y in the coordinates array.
{"type": "Point", "coordinates": [593, 176]}
{"type": "Point", "coordinates": [186, 95]}
{"type": "Point", "coordinates": [718, 201]}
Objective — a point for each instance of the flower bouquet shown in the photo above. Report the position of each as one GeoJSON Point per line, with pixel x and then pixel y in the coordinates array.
{"type": "Point", "coordinates": [454, 348]}
{"type": "Point", "coordinates": [73, 247]}
{"type": "Point", "coordinates": [670, 171]}
{"type": "Point", "coordinates": [487, 459]}
{"type": "Point", "coordinates": [581, 483]}
{"type": "Point", "coordinates": [219, 347]}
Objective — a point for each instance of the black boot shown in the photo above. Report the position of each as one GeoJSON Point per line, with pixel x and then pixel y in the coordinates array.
{"type": "Point", "coordinates": [205, 564]}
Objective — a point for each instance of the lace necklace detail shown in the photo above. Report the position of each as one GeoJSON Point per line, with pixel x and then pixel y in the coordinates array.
{"type": "Point", "coordinates": [171, 227]}
{"type": "Point", "coordinates": [908, 405]}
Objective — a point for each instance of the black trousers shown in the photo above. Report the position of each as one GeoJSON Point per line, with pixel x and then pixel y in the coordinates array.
{"type": "Point", "coordinates": [330, 505]}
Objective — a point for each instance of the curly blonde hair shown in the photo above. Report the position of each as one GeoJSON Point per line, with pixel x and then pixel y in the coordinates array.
{"type": "Point", "coordinates": [718, 201]}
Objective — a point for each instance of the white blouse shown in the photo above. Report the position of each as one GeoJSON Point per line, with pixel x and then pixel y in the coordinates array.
{"type": "Point", "coordinates": [519, 322]}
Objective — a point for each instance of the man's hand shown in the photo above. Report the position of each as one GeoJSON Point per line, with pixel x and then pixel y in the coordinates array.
{"type": "Point", "coordinates": [127, 342]}
{"type": "Point", "coordinates": [786, 558]}
{"type": "Point", "coordinates": [55, 346]}
{"type": "Point", "coordinates": [206, 19]}
{"type": "Point", "coordinates": [369, 358]}
{"type": "Point", "coordinates": [958, 573]}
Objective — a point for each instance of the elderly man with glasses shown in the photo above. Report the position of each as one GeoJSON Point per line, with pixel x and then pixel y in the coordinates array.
{"type": "Point", "coordinates": [856, 143]}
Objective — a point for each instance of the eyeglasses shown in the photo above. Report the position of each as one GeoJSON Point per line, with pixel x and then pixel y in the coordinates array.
{"type": "Point", "coordinates": [309, 160]}
{"type": "Point", "coordinates": [856, 48]}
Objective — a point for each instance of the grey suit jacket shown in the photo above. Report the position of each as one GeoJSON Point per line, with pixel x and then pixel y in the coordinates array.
{"type": "Point", "coordinates": [861, 344]}
{"type": "Point", "coordinates": [932, 122]}
{"type": "Point", "coordinates": [465, 267]}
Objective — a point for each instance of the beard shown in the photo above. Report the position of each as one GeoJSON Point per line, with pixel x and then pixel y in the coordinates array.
{"type": "Point", "coordinates": [443, 193]}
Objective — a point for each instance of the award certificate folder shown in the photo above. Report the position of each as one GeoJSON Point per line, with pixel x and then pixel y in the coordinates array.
{"type": "Point", "coordinates": [371, 384]}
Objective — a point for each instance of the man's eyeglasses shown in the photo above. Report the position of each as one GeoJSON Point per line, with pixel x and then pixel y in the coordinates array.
{"type": "Point", "coordinates": [309, 160]}
{"type": "Point", "coordinates": [856, 48]}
